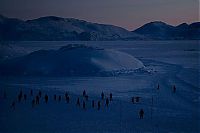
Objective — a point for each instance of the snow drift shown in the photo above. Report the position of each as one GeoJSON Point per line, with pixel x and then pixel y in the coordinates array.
{"type": "Point", "coordinates": [70, 60]}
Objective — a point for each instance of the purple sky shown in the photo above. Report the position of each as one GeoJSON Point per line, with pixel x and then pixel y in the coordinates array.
{"type": "Point", "coordinates": [129, 14]}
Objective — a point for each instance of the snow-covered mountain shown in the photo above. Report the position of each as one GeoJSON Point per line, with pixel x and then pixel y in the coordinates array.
{"type": "Point", "coordinates": [161, 31]}
{"type": "Point", "coordinates": [56, 28]}
{"type": "Point", "coordinates": [52, 28]}
{"type": "Point", "coordinates": [70, 60]}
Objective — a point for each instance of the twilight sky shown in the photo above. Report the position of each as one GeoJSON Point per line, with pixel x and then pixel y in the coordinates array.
{"type": "Point", "coordinates": [129, 14]}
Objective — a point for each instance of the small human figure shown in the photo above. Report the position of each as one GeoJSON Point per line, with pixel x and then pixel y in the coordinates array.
{"type": "Point", "coordinates": [33, 103]}
{"type": "Point", "coordinates": [158, 87]}
{"type": "Point", "coordinates": [133, 100]}
{"type": "Point", "coordinates": [25, 97]}
{"type": "Point", "coordinates": [86, 97]}
{"type": "Point", "coordinates": [59, 98]}
{"type": "Point", "coordinates": [37, 99]}
{"type": "Point", "coordinates": [99, 105]}
{"type": "Point", "coordinates": [78, 101]}
{"type": "Point", "coordinates": [110, 96]}
{"type": "Point", "coordinates": [174, 88]}
{"type": "Point", "coordinates": [13, 105]}
{"type": "Point", "coordinates": [55, 97]}
{"type": "Point", "coordinates": [137, 99]}
{"type": "Point", "coordinates": [46, 98]}
{"type": "Point", "coordinates": [67, 99]}
{"type": "Point", "coordinates": [107, 102]}
{"type": "Point", "coordinates": [20, 93]}
{"type": "Point", "coordinates": [31, 92]}
{"type": "Point", "coordinates": [40, 93]}
{"type": "Point", "coordinates": [19, 97]}
{"type": "Point", "coordinates": [141, 113]}
{"type": "Point", "coordinates": [84, 107]}
{"type": "Point", "coordinates": [84, 93]}
{"type": "Point", "coordinates": [102, 95]}
{"type": "Point", "coordinates": [93, 104]}
{"type": "Point", "coordinates": [66, 95]}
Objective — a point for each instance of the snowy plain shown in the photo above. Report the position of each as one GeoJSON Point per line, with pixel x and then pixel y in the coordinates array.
{"type": "Point", "coordinates": [168, 63]}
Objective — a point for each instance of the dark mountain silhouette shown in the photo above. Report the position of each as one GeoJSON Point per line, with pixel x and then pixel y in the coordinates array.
{"type": "Point", "coordinates": [56, 28]}
{"type": "Point", "coordinates": [53, 28]}
{"type": "Point", "coordinates": [161, 31]}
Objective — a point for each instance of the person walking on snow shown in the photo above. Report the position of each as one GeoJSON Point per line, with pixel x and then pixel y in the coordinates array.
{"type": "Point", "coordinates": [141, 113]}
{"type": "Point", "coordinates": [158, 87]}
{"type": "Point", "coordinates": [174, 88]}
{"type": "Point", "coordinates": [102, 95]}
{"type": "Point", "coordinates": [46, 98]}
{"type": "Point", "coordinates": [78, 102]}
{"type": "Point", "coordinates": [107, 102]}
{"type": "Point", "coordinates": [84, 107]}
{"type": "Point", "coordinates": [93, 104]}
{"type": "Point", "coordinates": [84, 93]}
{"type": "Point", "coordinates": [110, 96]}
{"type": "Point", "coordinates": [99, 104]}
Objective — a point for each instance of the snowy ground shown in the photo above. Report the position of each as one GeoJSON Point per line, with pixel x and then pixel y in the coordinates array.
{"type": "Point", "coordinates": [169, 63]}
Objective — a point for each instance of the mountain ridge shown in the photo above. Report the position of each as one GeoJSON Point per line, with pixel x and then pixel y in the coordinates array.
{"type": "Point", "coordinates": [53, 28]}
{"type": "Point", "coordinates": [158, 30]}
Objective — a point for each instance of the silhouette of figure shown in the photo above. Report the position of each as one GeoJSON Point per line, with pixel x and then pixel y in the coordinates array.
{"type": "Point", "coordinates": [141, 113]}
{"type": "Point", "coordinates": [20, 93]}
{"type": "Point", "coordinates": [78, 102]}
{"type": "Point", "coordinates": [46, 98]}
{"type": "Point", "coordinates": [174, 88]}
{"type": "Point", "coordinates": [102, 95]}
{"type": "Point", "coordinates": [37, 100]}
{"type": "Point", "coordinates": [55, 97]}
{"type": "Point", "coordinates": [107, 102]}
{"type": "Point", "coordinates": [67, 99]}
{"type": "Point", "coordinates": [33, 103]}
{"type": "Point", "coordinates": [84, 107]}
{"type": "Point", "coordinates": [84, 93]}
{"type": "Point", "coordinates": [40, 93]}
{"type": "Point", "coordinates": [13, 105]}
{"type": "Point", "coordinates": [19, 97]}
{"type": "Point", "coordinates": [93, 104]}
{"type": "Point", "coordinates": [66, 95]}
{"type": "Point", "coordinates": [25, 97]}
{"type": "Point", "coordinates": [133, 100]}
{"type": "Point", "coordinates": [110, 96]}
{"type": "Point", "coordinates": [31, 92]}
{"type": "Point", "coordinates": [137, 99]}
{"type": "Point", "coordinates": [86, 97]}
{"type": "Point", "coordinates": [158, 87]}
{"type": "Point", "coordinates": [99, 105]}
{"type": "Point", "coordinates": [59, 98]}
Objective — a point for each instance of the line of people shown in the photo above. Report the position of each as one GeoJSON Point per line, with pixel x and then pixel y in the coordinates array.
{"type": "Point", "coordinates": [99, 102]}
{"type": "Point", "coordinates": [85, 97]}
{"type": "Point", "coordinates": [37, 98]}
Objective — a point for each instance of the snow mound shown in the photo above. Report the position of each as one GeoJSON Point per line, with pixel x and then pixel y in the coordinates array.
{"type": "Point", "coordinates": [115, 60]}
{"type": "Point", "coordinates": [71, 60]}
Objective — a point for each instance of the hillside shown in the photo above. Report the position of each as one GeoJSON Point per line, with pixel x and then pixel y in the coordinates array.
{"type": "Point", "coordinates": [53, 28]}
{"type": "Point", "coordinates": [70, 60]}
{"type": "Point", "coordinates": [161, 31]}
